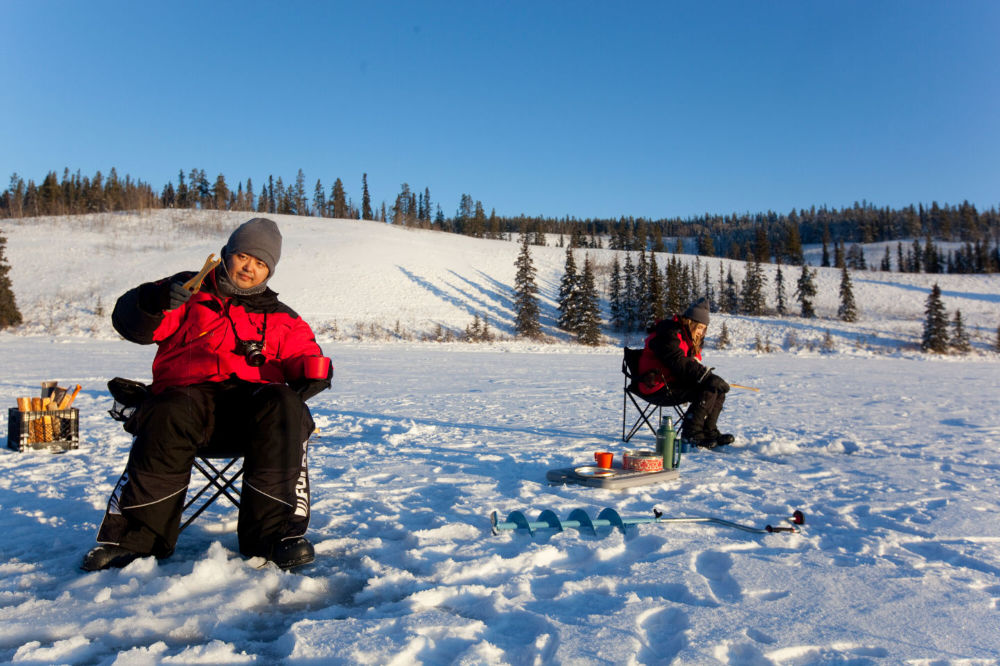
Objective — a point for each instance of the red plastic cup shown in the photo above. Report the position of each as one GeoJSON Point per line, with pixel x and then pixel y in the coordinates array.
{"type": "Point", "coordinates": [317, 367]}
{"type": "Point", "coordinates": [604, 459]}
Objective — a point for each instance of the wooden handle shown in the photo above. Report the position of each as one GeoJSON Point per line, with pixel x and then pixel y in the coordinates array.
{"type": "Point", "coordinates": [70, 397]}
{"type": "Point", "coordinates": [194, 284]}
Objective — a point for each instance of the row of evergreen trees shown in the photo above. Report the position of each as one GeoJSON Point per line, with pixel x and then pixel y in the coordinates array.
{"type": "Point", "coordinates": [640, 294]}
{"type": "Point", "coordinates": [770, 236]}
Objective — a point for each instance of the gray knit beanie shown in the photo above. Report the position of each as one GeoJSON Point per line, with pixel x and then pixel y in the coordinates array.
{"type": "Point", "coordinates": [258, 237]}
{"type": "Point", "coordinates": [698, 311]}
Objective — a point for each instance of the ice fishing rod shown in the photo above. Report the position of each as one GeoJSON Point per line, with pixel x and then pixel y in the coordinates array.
{"type": "Point", "coordinates": [579, 519]}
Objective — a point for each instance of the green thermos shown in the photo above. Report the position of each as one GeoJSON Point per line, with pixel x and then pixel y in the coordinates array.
{"type": "Point", "coordinates": [666, 438]}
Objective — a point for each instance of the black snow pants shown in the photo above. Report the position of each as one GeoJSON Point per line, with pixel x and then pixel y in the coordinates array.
{"type": "Point", "coordinates": [267, 424]}
{"type": "Point", "coordinates": [702, 416]}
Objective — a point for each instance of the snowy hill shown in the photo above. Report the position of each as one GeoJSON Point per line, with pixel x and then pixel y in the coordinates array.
{"type": "Point", "coordinates": [892, 455]}
{"type": "Point", "coordinates": [372, 281]}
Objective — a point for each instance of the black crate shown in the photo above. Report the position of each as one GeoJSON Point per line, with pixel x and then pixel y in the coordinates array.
{"type": "Point", "coordinates": [57, 429]}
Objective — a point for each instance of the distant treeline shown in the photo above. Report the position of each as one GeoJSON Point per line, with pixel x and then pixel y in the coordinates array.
{"type": "Point", "coordinates": [766, 236]}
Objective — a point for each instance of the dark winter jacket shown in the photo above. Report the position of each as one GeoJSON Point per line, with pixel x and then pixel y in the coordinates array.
{"type": "Point", "coordinates": [202, 340]}
{"type": "Point", "coordinates": [669, 357]}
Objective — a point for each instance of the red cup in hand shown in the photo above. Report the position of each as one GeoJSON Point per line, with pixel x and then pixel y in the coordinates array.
{"type": "Point", "coordinates": [317, 367]}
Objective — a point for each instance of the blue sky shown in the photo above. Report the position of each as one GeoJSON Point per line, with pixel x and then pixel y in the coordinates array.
{"type": "Point", "coordinates": [589, 109]}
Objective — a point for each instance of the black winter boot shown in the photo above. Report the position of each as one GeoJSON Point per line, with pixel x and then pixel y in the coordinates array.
{"type": "Point", "coordinates": [291, 553]}
{"type": "Point", "coordinates": [286, 553]}
{"type": "Point", "coordinates": [107, 556]}
{"type": "Point", "coordinates": [720, 438]}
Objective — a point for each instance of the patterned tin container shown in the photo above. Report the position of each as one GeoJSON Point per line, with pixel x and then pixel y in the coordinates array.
{"type": "Point", "coordinates": [643, 461]}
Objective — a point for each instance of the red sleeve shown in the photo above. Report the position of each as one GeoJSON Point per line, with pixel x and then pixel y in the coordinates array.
{"type": "Point", "coordinates": [299, 343]}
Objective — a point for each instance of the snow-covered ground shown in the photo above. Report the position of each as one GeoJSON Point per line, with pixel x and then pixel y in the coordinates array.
{"type": "Point", "coordinates": [892, 456]}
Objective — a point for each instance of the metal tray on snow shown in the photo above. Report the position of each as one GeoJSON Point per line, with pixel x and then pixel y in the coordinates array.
{"type": "Point", "coordinates": [612, 479]}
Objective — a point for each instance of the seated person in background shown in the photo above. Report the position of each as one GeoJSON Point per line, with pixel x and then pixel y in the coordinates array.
{"type": "Point", "coordinates": [670, 364]}
{"type": "Point", "coordinates": [232, 371]}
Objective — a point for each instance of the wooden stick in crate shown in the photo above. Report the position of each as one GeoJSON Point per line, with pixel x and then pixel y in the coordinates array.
{"type": "Point", "coordinates": [70, 397]}
{"type": "Point", "coordinates": [24, 404]}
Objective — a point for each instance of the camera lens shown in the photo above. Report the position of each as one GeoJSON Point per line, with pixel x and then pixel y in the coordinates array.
{"type": "Point", "coordinates": [253, 353]}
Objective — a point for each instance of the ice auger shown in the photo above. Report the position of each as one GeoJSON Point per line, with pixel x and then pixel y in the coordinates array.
{"type": "Point", "coordinates": [579, 519]}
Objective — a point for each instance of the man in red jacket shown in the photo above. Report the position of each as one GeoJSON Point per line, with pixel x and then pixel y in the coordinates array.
{"type": "Point", "coordinates": [233, 369]}
{"type": "Point", "coordinates": [671, 364]}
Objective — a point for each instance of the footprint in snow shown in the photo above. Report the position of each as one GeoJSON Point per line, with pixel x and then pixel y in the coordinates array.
{"type": "Point", "coordinates": [715, 566]}
{"type": "Point", "coordinates": [664, 635]}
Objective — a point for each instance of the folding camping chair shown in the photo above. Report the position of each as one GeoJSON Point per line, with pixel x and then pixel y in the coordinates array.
{"type": "Point", "coordinates": [220, 476]}
{"type": "Point", "coordinates": [648, 407]}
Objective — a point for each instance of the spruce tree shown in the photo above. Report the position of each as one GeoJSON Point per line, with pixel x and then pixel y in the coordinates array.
{"type": "Point", "coordinates": [805, 292]}
{"type": "Point", "coordinates": [793, 243]}
{"type": "Point", "coordinates": [630, 297]}
{"type": "Point", "coordinates": [319, 200]}
{"type": "Point", "coordinates": [644, 311]}
{"type": "Point", "coordinates": [708, 291]}
{"type": "Point", "coordinates": [588, 325]}
{"type": "Point", "coordinates": [886, 264]}
{"type": "Point", "coordinates": [935, 338]}
{"type": "Point", "coordinates": [959, 338]}
{"type": "Point", "coordinates": [779, 288]}
{"type": "Point", "coordinates": [568, 293]}
{"type": "Point", "coordinates": [723, 342]}
{"type": "Point", "coordinates": [9, 314]}
{"type": "Point", "coordinates": [675, 291]}
{"type": "Point", "coordinates": [366, 200]}
{"type": "Point", "coordinates": [655, 291]}
{"type": "Point", "coordinates": [730, 299]}
{"type": "Point", "coordinates": [826, 246]}
{"type": "Point", "coordinates": [616, 296]}
{"type": "Point", "coordinates": [705, 246]}
{"type": "Point", "coordinates": [848, 310]}
{"type": "Point", "coordinates": [752, 292]}
{"type": "Point", "coordinates": [525, 302]}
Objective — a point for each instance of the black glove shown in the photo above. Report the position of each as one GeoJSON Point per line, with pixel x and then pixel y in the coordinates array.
{"type": "Point", "coordinates": [717, 383]}
{"type": "Point", "coordinates": [174, 295]}
{"type": "Point", "coordinates": [307, 388]}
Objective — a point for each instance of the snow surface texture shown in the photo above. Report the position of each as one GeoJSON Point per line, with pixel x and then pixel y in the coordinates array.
{"type": "Point", "coordinates": [892, 457]}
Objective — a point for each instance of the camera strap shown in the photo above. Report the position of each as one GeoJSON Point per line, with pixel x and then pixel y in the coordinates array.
{"type": "Point", "coordinates": [262, 330]}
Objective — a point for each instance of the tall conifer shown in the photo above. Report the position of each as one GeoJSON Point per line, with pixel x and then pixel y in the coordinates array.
{"type": "Point", "coordinates": [805, 292]}
{"type": "Point", "coordinates": [525, 302]}
{"type": "Point", "coordinates": [848, 310]}
{"type": "Point", "coordinates": [615, 296]}
{"type": "Point", "coordinates": [568, 293]}
{"type": "Point", "coordinates": [935, 338]}
{"type": "Point", "coordinates": [588, 308]}
{"type": "Point", "coordinates": [366, 200]}
{"type": "Point", "coordinates": [9, 314]}
{"type": "Point", "coordinates": [959, 337]}
{"type": "Point", "coordinates": [630, 298]}
{"type": "Point", "coordinates": [779, 288]}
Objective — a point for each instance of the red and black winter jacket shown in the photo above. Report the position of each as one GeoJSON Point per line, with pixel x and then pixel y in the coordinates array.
{"type": "Point", "coordinates": [669, 357]}
{"type": "Point", "coordinates": [198, 340]}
